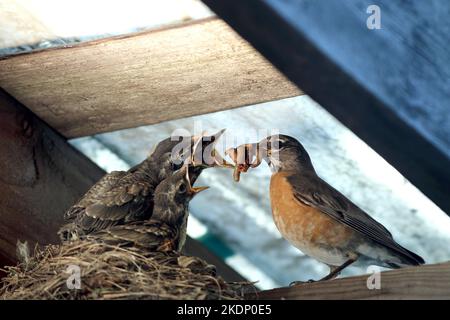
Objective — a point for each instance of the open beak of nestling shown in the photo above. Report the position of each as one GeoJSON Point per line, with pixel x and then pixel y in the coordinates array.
{"type": "Point", "coordinates": [196, 190]}
{"type": "Point", "coordinates": [190, 189]}
{"type": "Point", "coordinates": [204, 151]}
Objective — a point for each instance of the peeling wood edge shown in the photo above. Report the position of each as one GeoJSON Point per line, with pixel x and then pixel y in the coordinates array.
{"type": "Point", "coordinates": [88, 43]}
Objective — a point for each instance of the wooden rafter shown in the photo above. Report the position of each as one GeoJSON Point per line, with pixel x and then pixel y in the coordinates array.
{"type": "Point", "coordinates": [144, 78]}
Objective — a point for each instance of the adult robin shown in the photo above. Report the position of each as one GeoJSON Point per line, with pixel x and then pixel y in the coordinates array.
{"type": "Point", "coordinates": [165, 230]}
{"type": "Point", "coordinates": [315, 217]}
{"type": "Point", "coordinates": [124, 196]}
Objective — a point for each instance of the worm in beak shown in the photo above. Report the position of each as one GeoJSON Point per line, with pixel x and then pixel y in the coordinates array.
{"type": "Point", "coordinates": [244, 157]}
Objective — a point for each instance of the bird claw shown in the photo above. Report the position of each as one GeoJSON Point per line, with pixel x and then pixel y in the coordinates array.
{"type": "Point", "coordinates": [297, 283]}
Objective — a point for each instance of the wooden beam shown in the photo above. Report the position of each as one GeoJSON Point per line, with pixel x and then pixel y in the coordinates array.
{"type": "Point", "coordinates": [424, 282]}
{"type": "Point", "coordinates": [41, 177]}
{"type": "Point", "coordinates": [140, 79]}
{"type": "Point", "coordinates": [389, 86]}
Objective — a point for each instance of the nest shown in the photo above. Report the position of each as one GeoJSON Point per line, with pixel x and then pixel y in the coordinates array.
{"type": "Point", "coordinates": [110, 272]}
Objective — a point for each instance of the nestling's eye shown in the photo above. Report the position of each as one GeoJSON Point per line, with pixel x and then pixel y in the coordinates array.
{"type": "Point", "coordinates": [182, 188]}
{"type": "Point", "coordinates": [174, 166]}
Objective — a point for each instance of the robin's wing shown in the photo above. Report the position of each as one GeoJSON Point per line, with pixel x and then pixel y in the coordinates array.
{"type": "Point", "coordinates": [128, 195]}
{"type": "Point", "coordinates": [105, 184]}
{"type": "Point", "coordinates": [117, 196]}
{"type": "Point", "coordinates": [313, 191]}
{"type": "Point", "coordinates": [151, 235]}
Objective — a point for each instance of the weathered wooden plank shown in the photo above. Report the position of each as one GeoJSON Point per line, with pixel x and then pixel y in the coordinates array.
{"type": "Point", "coordinates": [41, 176]}
{"type": "Point", "coordinates": [424, 282]}
{"type": "Point", "coordinates": [144, 78]}
{"type": "Point", "coordinates": [389, 86]}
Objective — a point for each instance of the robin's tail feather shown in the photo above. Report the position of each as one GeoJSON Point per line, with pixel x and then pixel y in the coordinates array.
{"type": "Point", "coordinates": [408, 258]}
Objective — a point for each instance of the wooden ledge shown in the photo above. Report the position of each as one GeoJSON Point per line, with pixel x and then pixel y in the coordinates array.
{"type": "Point", "coordinates": [144, 78]}
{"type": "Point", "coordinates": [424, 282]}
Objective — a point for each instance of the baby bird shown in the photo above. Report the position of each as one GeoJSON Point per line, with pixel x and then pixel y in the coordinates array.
{"type": "Point", "coordinates": [121, 197]}
{"type": "Point", "coordinates": [166, 229]}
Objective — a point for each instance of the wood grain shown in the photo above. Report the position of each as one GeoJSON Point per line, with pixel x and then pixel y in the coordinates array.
{"type": "Point", "coordinates": [41, 177]}
{"type": "Point", "coordinates": [145, 78]}
{"type": "Point", "coordinates": [424, 282]}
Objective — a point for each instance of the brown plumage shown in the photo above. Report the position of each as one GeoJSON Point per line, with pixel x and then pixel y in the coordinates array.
{"type": "Point", "coordinates": [318, 219]}
{"type": "Point", "coordinates": [121, 197]}
{"type": "Point", "coordinates": [138, 260]}
{"type": "Point", "coordinates": [166, 229]}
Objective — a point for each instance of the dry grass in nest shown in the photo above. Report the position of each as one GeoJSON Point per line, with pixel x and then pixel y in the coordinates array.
{"type": "Point", "coordinates": [109, 272]}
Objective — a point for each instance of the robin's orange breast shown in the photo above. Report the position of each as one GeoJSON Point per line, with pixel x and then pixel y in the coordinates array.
{"type": "Point", "coordinates": [305, 227]}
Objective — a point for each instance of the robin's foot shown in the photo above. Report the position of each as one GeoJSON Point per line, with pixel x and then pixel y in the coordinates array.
{"type": "Point", "coordinates": [297, 283]}
{"type": "Point", "coordinates": [336, 271]}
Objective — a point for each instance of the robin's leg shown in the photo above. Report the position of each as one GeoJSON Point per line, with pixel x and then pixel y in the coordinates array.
{"type": "Point", "coordinates": [296, 283]}
{"type": "Point", "coordinates": [335, 271]}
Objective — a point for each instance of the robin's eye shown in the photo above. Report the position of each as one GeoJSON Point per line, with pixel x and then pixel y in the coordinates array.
{"type": "Point", "coordinates": [182, 188]}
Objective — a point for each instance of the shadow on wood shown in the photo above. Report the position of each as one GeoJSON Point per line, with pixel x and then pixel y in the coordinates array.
{"type": "Point", "coordinates": [41, 177]}
{"type": "Point", "coordinates": [424, 282]}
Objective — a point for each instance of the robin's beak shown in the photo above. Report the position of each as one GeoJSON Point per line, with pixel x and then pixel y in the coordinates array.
{"type": "Point", "coordinates": [204, 151]}
{"type": "Point", "coordinates": [268, 156]}
{"type": "Point", "coordinates": [190, 189]}
{"type": "Point", "coordinates": [196, 190]}
{"type": "Point", "coordinates": [270, 152]}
